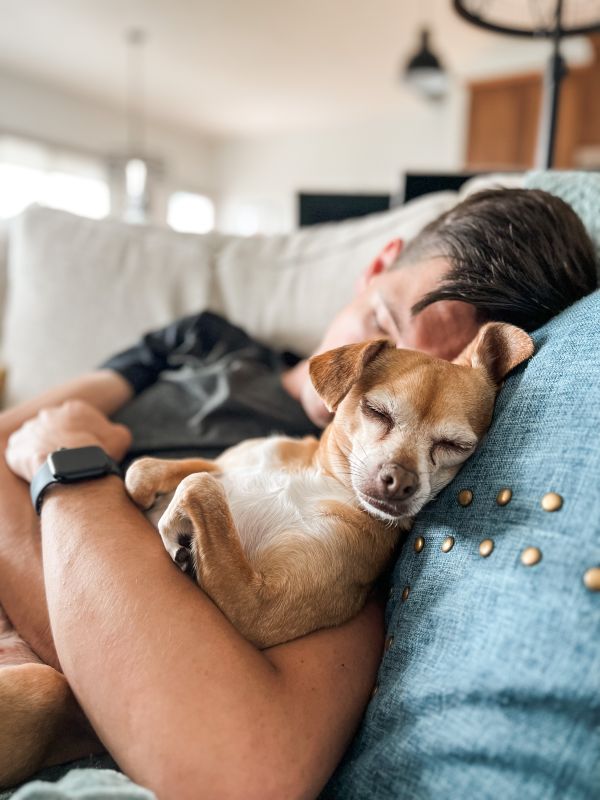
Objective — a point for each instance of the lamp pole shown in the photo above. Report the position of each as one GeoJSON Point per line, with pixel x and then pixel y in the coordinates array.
{"type": "Point", "coordinates": [555, 72]}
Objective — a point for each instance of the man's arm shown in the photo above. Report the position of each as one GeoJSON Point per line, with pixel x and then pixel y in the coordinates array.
{"type": "Point", "coordinates": [185, 704]}
{"type": "Point", "coordinates": [21, 581]}
{"type": "Point", "coordinates": [182, 701]}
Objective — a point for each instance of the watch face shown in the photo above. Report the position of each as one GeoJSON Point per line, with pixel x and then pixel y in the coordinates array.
{"type": "Point", "coordinates": [78, 462]}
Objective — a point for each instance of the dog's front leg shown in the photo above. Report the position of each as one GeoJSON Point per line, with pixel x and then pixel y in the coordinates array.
{"type": "Point", "coordinates": [199, 533]}
{"type": "Point", "coordinates": [147, 478]}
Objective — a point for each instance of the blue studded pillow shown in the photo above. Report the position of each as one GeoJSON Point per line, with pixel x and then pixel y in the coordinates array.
{"type": "Point", "coordinates": [490, 683]}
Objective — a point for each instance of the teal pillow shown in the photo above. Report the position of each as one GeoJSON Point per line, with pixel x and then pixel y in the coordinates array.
{"type": "Point", "coordinates": [490, 683]}
{"type": "Point", "coordinates": [580, 189]}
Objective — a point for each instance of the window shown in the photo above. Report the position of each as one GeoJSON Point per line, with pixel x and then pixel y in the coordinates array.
{"type": "Point", "coordinates": [190, 213]}
{"type": "Point", "coordinates": [36, 173]}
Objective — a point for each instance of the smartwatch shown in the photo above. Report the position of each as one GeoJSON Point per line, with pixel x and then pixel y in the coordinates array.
{"type": "Point", "coordinates": [71, 465]}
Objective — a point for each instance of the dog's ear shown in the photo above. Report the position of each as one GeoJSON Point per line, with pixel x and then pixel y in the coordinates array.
{"type": "Point", "coordinates": [335, 372]}
{"type": "Point", "coordinates": [498, 348]}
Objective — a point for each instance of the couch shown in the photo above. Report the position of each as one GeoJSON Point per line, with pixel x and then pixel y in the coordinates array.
{"type": "Point", "coordinates": [490, 681]}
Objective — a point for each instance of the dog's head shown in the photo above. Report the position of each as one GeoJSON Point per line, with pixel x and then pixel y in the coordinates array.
{"type": "Point", "coordinates": [405, 422]}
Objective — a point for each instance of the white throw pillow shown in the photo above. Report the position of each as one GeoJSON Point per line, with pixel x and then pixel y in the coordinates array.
{"type": "Point", "coordinates": [80, 290]}
{"type": "Point", "coordinates": [494, 180]}
{"type": "Point", "coordinates": [285, 289]}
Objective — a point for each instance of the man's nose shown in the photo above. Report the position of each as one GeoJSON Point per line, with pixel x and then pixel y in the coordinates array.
{"type": "Point", "coordinates": [396, 482]}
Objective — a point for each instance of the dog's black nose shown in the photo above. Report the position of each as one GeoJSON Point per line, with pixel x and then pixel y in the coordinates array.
{"type": "Point", "coordinates": [396, 482]}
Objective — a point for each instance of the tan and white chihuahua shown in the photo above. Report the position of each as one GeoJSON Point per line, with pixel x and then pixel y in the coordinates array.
{"type": "Point", "coordinates": [288, 536]}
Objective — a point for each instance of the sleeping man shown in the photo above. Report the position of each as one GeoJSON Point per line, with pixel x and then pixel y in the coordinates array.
{"type": "Point", "coordinates": [182, 702]}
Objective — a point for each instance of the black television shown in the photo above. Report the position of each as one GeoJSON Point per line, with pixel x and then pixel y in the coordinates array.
{"type": "Point", "coordinates": [420, 183]}
{"type": "Point", "coordinates": [316, 208]}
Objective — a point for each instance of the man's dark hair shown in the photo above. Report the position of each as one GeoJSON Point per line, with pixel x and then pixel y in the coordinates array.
{"type": "Point", "coordinates": [516, 255]}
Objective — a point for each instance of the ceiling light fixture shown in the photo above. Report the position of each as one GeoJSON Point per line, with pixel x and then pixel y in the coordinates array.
{"type": "Point", "coordinates": [136, 168]}
{"type": "Point", "coordinates": [424, 71]}
{"type": "Point", "coordinates": [134, 174]}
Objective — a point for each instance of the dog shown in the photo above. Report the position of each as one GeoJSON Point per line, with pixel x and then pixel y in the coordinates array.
{"type": "Point", "coordinates": [288, 536]}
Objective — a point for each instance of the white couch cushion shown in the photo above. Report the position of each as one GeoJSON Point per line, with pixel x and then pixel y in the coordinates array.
{"type": "Point", "coordinates": [494, 180]}
{"type": "Point", "coordinates": [285, 289]}
{"type": "Point", "coordinates": [80, 290]}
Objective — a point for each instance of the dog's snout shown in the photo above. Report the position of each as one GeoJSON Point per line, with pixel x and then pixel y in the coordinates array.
{"type": "Point", "coordinates": [396, 482]}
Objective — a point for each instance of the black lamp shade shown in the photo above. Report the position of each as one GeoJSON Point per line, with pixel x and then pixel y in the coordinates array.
{"type": "Point", "coordinates": [425, 71]}
{"type": "Point", "coordinates": [424, 58]}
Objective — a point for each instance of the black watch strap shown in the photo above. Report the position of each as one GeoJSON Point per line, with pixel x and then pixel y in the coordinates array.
{"type": "Point", "coordinates": [71, 465]}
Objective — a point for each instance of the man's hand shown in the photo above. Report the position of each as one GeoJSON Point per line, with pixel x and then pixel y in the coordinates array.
{"type": "Point", "coordinates": [72, 424]}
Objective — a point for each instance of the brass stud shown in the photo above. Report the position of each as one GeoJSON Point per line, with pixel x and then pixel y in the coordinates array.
{"type": "Point", "coordinates": [405, 593]}
{"type": "Point", "coordinates": [486, 547]}
{"type": "Point", "coordinates": [531, 556]}
{"type": "Point", "coordinates": [388, 643]}
{"type": "Point", "coordinates": [552, 501]}
{"type": "Point", "coordinates": [375, 690]}
{"type": "Point", "coordinates": [447, 544]}
{"type": "Point", "coordinates": [419, 544]}
{"type": "Point", "coordinates": [465, 497]}
{"type": "Point", "coordinates": [504, 496]}
{"type": "Point", "coordinates": [591, 579]}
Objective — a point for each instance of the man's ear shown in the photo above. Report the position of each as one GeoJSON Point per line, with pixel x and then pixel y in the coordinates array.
{"type": "Point", "coordinates": [383, 261]}
{"type": "Point", "coordinates": [335, 372]}
{"type": "Point", "coordinates": [498, 348]}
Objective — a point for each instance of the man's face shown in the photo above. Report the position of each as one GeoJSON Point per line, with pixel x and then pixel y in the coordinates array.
{"type": "Point", "coordinates": [382, 307]}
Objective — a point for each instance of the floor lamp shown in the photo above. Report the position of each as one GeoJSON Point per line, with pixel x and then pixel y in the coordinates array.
{"type": "Point", "coordinates": [549, 19]}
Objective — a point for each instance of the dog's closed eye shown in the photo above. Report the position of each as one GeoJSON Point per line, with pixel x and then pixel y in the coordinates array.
{"type": "Point", "coordinates": [377, 413]}
{"type": "Point", "coordinates": [450, 447]}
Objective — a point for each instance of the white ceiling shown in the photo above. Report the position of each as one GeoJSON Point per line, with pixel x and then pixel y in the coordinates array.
{"type": "Point", "coordinates": [230, 67]}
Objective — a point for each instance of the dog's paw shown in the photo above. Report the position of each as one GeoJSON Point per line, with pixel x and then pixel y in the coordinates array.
{"type": "Point", "coordinates": [192, 497]}
{"type": "Point", "coordinates": [142, 481]}
{"type": "Point", "coordinates": [176, 531]}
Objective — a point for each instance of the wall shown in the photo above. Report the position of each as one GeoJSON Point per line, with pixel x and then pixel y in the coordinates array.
{"type": "Point", "coordinates": [258, 178]}
{"type": "Point", "coordinates": [30, 108]}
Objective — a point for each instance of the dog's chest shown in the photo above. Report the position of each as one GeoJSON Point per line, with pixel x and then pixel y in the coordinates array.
{"type": "Point", "coordinates": [268, 503]}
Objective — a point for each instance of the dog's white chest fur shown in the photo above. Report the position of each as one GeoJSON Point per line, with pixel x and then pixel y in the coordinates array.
{"type": "Point", "coordinates": [267, 503]}
{"type": "Point", "coordinates": [271, 503]}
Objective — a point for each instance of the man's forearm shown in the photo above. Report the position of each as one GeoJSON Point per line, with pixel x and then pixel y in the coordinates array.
{"type": "Point", "coordinates": [104, 389]}
{"type": "Point", "coordinates": [185, 704]}
{"type": "Point", "coordinates": [22, 593]}
{"type": "Point", "coordinates": [21, 580]}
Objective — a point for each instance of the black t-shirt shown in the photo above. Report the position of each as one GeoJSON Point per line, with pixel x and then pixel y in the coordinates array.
{"type": "Point", "coordinates": [203, 385]}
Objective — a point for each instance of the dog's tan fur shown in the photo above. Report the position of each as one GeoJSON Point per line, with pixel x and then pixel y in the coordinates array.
{"type": "Point", "coordinates": [318, 572]}
{"type": "Point", "coordinates": [40, 722]}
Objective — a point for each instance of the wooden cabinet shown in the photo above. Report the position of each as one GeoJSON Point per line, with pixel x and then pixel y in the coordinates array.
{"type": "Point", "coordinates": [504, 116]}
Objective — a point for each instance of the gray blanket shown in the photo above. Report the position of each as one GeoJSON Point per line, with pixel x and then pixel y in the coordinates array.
{"type": "Point", "coordinates": [93, 778]}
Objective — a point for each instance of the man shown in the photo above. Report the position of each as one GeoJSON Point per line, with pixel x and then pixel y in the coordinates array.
{"type": "Point", "coordinates": [185, 705]}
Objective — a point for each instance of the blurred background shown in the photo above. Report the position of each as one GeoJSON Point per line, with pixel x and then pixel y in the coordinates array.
{"type": "Point", "coordinates": [254, 116]}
